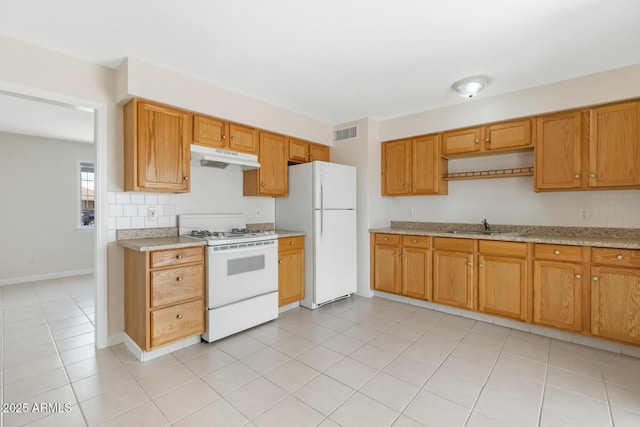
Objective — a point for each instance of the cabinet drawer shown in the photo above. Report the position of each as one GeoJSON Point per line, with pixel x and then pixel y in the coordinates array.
{"type": "Point", "coordinates": [416, 241]}
{"type": "Point", "coordinates": [176, 284]}
{"type": "Point", "coordinates": [388, 239]}
{"type": "Point", "coordinates": [177, 322]}
{"type": "Point", "coordinates": [515, 249]}
{"type": "Point", "coordinates": [453, 245]}
{"type": "Point", "coordinates": [171, 257]}
{"type": "Point", "coordinates": [287, 243]}
{"type": "Point", "coordinates": [616, 257]}
{"type": "Point", "coordinates": [559, 252]}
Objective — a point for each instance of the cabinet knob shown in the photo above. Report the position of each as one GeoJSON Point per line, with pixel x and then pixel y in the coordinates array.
{"type": "Point", "coordinates": [233, 138]}
{"type": "Point", "coordinates": [414, 241]}
{"type": "Point", "coordinates": [619, 257]}
{"type": "Point", "coordinates": [386, 238]}
{"type": "Point", "coordinates": [308, 154]}
{"type": "Point", "coordinates": [179, 278]}
{"type": "Point", "coordinates": [595, 278]}
{"type": "Point", "coordinates": [279, 261]}
{"type": "Point", "coordinates": [224, 136]}
{"type": "Point", "coordinates": [291, 242]}
{"type": "Point", "coordinates": [262, 184]}
{"type": "Point", "coordinates": [481, 265]}
{"type": "Point", "coordinates": [592, 175]}
{"type": "Point", "coordinates": [469, 263]}
{"type": "Point", "coordinates": [576, 176]}
{"type": "Point", "coordinates": [178, 256]}
{"type": "Point", "coordinates": [487, 140]}
{"type": "Point", "coordinates": [395, 254]}
{"type": "Point", "coordinates": [578, 276]}
{"type": "Point", "coordinates": [477, 141]}
{"type": "Point", "coordinates": [556, 252]}
{"type": "Point", "coordinates": [186, 178]}
{"type": "Point", "coordinates": [179, 316]}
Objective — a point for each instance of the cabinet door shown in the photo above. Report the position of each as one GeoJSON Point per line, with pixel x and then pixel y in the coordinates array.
{"type": "Point", "coordinates": [396, 167]}
{"type": "Point", "coordinates": [387, 273]}
{"type": "Point", "coordinates": [416, 273]}
{"type": "Point", "coordinates": [163, 148]}
{"type": "Point", "coordinates": [502, 136]}
{"type": "Point", "coordinates": [461, 141]}
{"type": "Point", "coordinates": [319, 152]}
{"type": "Point", "coordinates": [615, 146]}
{"type": "Point", "coordinates": [558, 152]}
{"type": "Point", "coordinates": [290, 276]}
{"type": "Point", "coordinates": [298, 150]}
{"type": "Point", "coordinates": [615, 303]}
{"type": "Point", "coordinates": [272, 174]}
{"type": "Point", "coordinates": [502, 286]}
{"type": "Point", "coordinates": [426, 174]}
{"type": "Point", "coordinates": [453, 279]}
{"type": "Point", "coordinates": [243, 139]}
{"type": "Point", "coordinates": [557, 294]}
{"type": "Point", "coordinates": [209, 132]}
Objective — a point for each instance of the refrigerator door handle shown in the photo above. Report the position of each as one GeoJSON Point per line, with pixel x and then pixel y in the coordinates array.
{"type": "Point", "coordinates": [321, 204]}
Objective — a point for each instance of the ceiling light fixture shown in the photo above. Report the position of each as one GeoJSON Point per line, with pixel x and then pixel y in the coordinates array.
{"type": "Point", "coordinates": [470, 86]}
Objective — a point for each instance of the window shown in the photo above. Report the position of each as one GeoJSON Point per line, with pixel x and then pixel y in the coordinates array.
{"type": "Point", "coordinates": [87, 198]}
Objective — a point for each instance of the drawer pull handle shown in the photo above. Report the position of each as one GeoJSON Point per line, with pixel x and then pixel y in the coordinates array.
{"type": "Point", "coordinates": [414, 241]}
{"type": "Point", "coordinates": [178, 256]}
{"type": "Point", "coordinates": [595, 278]}
{"type": "Point", "coordinates": [619, 257]}
{"type": "Point", "coordinates": [556, 252]}
{"type": "Point", "coordinates": [578, 276]}
{"type": "Point", "coordinates": [291, 242]}
{"type": "Point", "coordinates": [386, 238]}
{"type": "Point", "coordinates": [179, 278]}
{"type": "Point", "coordinates": [179, 316]}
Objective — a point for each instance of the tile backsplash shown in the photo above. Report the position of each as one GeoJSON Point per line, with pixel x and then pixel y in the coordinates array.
{"type": "Point", "coordinates": [131, 210]}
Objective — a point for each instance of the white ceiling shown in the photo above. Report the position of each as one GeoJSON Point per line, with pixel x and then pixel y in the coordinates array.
{"type": "Point", "coordinates": [341, 60]}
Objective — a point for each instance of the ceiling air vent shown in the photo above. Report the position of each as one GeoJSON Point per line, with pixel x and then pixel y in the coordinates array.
{"type": "Point", "coordinates": [346, 133]}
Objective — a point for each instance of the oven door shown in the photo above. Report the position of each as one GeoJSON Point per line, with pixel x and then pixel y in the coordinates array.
{"type": "Point", "coordinates": [239, 271]}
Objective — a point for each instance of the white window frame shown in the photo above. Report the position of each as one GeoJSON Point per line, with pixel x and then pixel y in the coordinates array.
{"type": "Point", "coordinates": [80, 226]}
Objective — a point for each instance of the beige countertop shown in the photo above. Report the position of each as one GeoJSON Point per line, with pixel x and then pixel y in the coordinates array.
{"type": "Point", "coordinates": [289, 233]}
{"type": "Point", "coordinates": [597, 237]}
{"type": "Point", "coordinates": [160, 243]}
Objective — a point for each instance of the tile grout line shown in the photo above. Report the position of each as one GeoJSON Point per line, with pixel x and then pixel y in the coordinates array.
{"type": "Point", "coordinates": [544, 384]}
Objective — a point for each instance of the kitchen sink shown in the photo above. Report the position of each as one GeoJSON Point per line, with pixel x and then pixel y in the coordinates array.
{"type": "Point", "coordinates": [485, 232]}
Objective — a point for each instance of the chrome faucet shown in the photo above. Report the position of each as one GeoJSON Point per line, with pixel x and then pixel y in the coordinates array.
{"type": "Point", "coordinates": [487, 226]}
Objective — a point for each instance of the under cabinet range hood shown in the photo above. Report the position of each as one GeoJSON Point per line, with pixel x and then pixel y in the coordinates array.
{"type": "Point", "coordinates": [219, 158]}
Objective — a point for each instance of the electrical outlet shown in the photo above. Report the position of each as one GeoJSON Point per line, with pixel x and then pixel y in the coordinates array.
{"type": "Point", "coordinates": [258, 213]}
{"type": "Point", "coordinates": [152, 213]}
{"type": "Point", "coordinates": [583, 214]}
{"type": "Point", "coordinates": [410, 211]}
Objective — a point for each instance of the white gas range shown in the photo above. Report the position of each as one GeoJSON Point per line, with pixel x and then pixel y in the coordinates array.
{"type": "Point", "coordinates": [241, 273]}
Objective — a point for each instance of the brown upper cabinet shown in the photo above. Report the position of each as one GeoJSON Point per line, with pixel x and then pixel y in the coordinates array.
{"type": "Point", "coordinates": [156, 148]}
{"type": "Point", "coordinates": [495, 138]}
{"type": "Point", "coordinates": [270, 179]}
{"type": "Point", "coordinates": [597, 148]}
{"type": "Point", "coordinates": [303, 151]}
{"type": "Point", "coordinates": [413, 166]}
{"type": "Point", "coordinates": [212, 132]}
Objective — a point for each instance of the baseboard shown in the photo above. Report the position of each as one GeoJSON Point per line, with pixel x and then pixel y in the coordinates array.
{"type": "Point", "coordinates": [60, 275]}
{"type": "Point", "coordinates": [145, 356]}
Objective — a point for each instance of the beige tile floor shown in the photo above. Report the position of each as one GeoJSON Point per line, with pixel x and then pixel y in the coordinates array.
{"type": "Point", "coordinates": [357, 362]}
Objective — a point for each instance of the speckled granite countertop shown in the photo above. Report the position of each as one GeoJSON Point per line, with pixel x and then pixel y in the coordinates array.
{"type": "Point", "coordinates": [289, 233]}
{"type": "Point", "coordinates": [152, 239]}
{"type": "Point", "coordinates": [624, 238]}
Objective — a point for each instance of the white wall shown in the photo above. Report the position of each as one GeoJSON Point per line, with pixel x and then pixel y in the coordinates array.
{"type": "Point", "coordinates": [40, 189]}
{"type": "Point", "coordinates": [512, 200]}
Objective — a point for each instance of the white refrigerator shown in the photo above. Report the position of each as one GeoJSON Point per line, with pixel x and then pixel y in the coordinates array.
{"type": "Point", "coordinates": [322, 203]}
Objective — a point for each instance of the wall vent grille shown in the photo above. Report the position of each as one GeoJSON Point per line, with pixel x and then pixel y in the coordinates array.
{"type": "Point", "coordinates": [346, 133]}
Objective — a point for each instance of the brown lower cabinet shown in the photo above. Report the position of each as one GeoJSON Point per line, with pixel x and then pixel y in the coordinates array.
{"type": "Point", "coordinates": [543, 284]}
{"type": "Point", "coordinates": [164, 295]}
{"type": "Point", "coordinates": [290, 270]}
